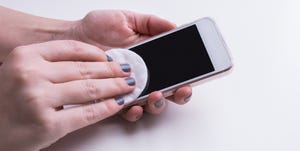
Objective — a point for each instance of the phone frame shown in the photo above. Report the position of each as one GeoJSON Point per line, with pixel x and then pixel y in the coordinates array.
{"type": "Point", "coordinates": [216, 49]}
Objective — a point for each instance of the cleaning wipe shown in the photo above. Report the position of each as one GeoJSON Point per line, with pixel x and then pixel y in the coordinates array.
{"type": "Point", "coordinates": [138, 67]}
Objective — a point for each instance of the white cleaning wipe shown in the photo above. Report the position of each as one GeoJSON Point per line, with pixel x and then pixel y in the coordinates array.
{"type": "Point", "coordinates": [138, 67]}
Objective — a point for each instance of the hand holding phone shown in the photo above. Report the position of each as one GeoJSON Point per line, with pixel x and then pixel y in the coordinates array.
{"type": "Point", "coordinates": [183, 56]}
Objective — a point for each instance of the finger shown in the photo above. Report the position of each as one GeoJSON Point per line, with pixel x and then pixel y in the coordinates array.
{"type": "Point", "coordinates": [82, 116]}
{"type": "Point", "coordinates": [133, 114]}
{"type": "Point", "coordinates": [68, 71]}
{"type": "Point", "coordinates": [149, 24]}
{"type": "Point", "coordinates": [155, 103]}
{"type": "Point", "coordinates": [181, 95]}
{"type": "Point", "coordinates": [83, 91]}
{"type": "Point", "coordinates": [69, 50]}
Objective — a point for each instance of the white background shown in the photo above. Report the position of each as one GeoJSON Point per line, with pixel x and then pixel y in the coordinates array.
{"type": "Point", "coordinates": [256, 107]}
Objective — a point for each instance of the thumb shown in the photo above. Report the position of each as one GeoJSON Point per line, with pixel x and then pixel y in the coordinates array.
{"type": "Point", "coordinates": [150, 24]}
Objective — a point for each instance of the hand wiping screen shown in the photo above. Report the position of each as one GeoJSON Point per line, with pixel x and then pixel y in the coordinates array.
{"type": "Point", "coordinates": [138, 71]}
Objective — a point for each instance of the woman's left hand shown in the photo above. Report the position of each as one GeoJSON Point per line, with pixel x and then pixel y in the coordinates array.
{"type": "Point", "coordinates": [108, 29]}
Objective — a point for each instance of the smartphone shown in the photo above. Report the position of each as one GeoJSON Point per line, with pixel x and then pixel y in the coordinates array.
{"type": "Point", "coordinates": [183, 56]}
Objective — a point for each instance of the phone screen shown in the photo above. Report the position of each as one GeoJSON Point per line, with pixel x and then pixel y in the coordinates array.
{"type": "Point", "coordinates": [174, 58]}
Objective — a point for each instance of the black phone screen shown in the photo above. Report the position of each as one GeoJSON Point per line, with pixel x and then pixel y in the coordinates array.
{"type": "Point", "coordinates": [174, 58]}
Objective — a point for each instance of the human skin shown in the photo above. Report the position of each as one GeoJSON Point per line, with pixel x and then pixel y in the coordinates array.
{"type": "Point", "coordinates": [38, 79]}
{"type": "Point", "coordinates": [26, 73]}
{"type": "Point", "coordinates": [105, 29]}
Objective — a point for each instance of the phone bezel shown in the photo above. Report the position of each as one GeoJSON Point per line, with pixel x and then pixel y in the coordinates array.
{"type": "Point", "coordinates": [215, 46]}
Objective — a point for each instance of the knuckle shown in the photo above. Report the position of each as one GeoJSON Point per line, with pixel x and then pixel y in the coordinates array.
{"type": "Point", "coordinates": [44, 129]}
{"type": "Point", "coordinates": [81, 48]}
{"type": "Point", "coordinates": [33, 97]}
{"type": "Point", "coordinates": [110, 108]}
{"type": "Point", "coordinates": [121, 87]}
{"type": "Point", "coordinates": [92, 15]}
{"type": "Point", "coordinates": [47, 123]}
{"type": "Point", "coordinates": [74, 46]}
{"type": "Point", "coordinates": [25, 73]}
{"type": "Point", "coordinates": [113, 69]}
{"type": "Point", "coordinates": [19, 53]}
{"type": "Point", "coordinates": [118, 86]}
{"type": "Point", "coordinates": [49, 126]}
{"type": "Point", "coordinates": [91, 114]}
{"type": "Point", "coordinates": [22, 69]}
{"type": "Point", "coordinates": [91, 89]}
{"type": "Point", "coordinates": [94, 114]}
{"type": "Point", "coordinates": [18, 50]}
{"type": "Point", "coordinates": [83, 70]}
{"type": "Point", "coordinates": [22, 48]}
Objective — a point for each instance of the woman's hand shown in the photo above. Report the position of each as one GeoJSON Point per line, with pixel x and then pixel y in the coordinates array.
{"type": "Point", "coordinates": [37, 80]}
{"type": "Point", "coordinates": [108, 29]}
{"type": "Point", "coordinates": [105, 29]}
{"type": "Point", "coordinates": [115, 28]}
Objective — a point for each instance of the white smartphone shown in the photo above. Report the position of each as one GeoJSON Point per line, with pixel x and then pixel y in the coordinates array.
{"type": "Point", "coordinates": [183, 56]}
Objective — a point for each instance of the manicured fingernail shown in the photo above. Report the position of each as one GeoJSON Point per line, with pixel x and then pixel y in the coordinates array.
{"type": "Point", "coordinates": [139, 116]}
{"type": "Point", "coordinates": [187, 99]}
{"type": "Point", "coordinates": [109, 59]}
{"type": "Point", "coordinates": [125, 67]}
{"type": "Point", "coordinates": [120, 100]}
{"type": "Point", "coordinates": [130, 81]}
{"type": "Point", "coordinates": [158, 104]}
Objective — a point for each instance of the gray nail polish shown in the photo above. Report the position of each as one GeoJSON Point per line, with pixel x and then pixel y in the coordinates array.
{"type": "Point", "coordinates": [139, 116]}
{"type": "Point", "coordinates": [187, 99]}
{"type": "Point", "coordinates": [109, 59]}
{"type": "Point", "coordinates": [125, 67]}
{"type": "Point", "coordinates": [158, 104]}
{"type": "Point", "coordinates": [130, 81]}
{"type": "Point", "coordinates": [120, 100]}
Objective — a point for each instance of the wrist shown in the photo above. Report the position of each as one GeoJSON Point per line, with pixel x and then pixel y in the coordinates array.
{"type": "Point", "coordinates": [44, 29]}
{"type": "Point", "coordinates": [58, 30]}
{"type": "Point", "coordinates": [19, 28]}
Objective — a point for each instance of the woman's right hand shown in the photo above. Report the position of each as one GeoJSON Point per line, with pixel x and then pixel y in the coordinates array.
{"type": "Point", "coordinates": [38, 79]}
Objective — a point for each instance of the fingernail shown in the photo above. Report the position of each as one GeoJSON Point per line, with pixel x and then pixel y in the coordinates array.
{"type": "Point", "coordinates": [130, 81]}
{"type": "Point", "coordinates": [158, 104]}
{"type": "Point", "coordinates": [120, 100]}
{"type": "Point", "coordinates": [139, 116]}
{"type": "Point", "coordinates": [187, 99]}
{"type": "Point", "coordinates": [109, 59]}
{"type": "Point", "coordinates": [125, 67]}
